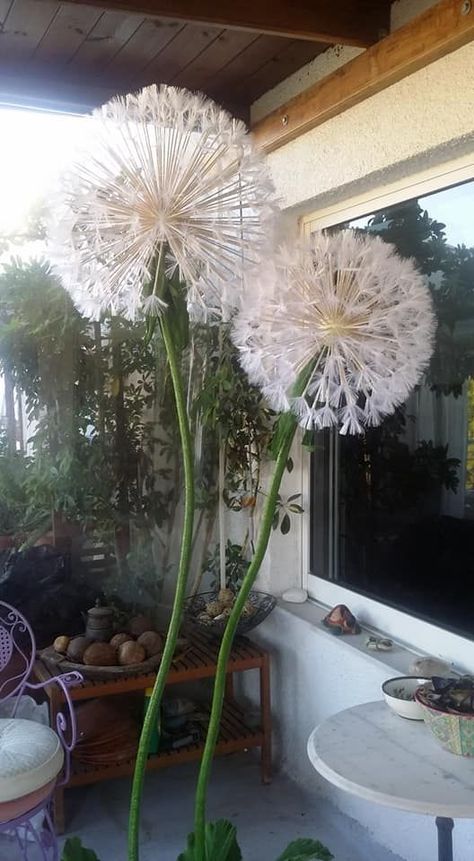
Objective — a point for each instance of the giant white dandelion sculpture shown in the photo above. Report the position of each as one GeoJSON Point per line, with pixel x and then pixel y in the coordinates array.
{"type": "Point", "coordinates": [337, 334]}
{"type": "Point", "coordinates": [167, 185]}
{"type": "Point", "coordinates": [350, 311]}
{"type": "Point", "coordinates": [162, 172]}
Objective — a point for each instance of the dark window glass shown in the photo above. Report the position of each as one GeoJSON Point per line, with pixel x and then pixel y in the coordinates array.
{"type": "Point", "coordinates": [393, 510]}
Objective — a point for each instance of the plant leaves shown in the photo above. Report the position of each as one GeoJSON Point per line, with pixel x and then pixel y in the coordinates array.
{"type": "Point", "coordinates": [221, 843]}
{"type": "Point", "coordinates": [74, 851]}
{"type": "Point", "coordinates": [289, 464]}
{"type": "Point", "coordinates": [285, 524]}
{"type": "Point", "coordinates": [306, 850]}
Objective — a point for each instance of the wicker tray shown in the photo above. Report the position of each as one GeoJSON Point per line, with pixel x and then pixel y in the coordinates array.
{"type": "Point", "coordinates": [60, 662]}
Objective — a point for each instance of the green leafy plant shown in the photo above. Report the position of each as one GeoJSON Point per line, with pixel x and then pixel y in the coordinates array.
{"type": "Point", "coordinates": [284, 509]}
{"type": "Point", "coordinates": [13, 497]}
{"type": "Point", "coordinates": [220, 845]}
{"type": "Point", "coordinates": [73, 850]}
{"type": "Point", "coordinates": [306, 850]}
{"type": "Point", "coordinates": [236, 565]}
{"type": "Point", "coordinates": [94, 395]}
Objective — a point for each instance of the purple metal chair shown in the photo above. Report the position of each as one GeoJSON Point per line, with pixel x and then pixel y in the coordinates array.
{"type": "Point", "coordinates": [30, 775]}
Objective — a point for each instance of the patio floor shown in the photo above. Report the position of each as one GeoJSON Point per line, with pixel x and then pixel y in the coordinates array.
{"type": "Point", "coordinates": [267, 817]}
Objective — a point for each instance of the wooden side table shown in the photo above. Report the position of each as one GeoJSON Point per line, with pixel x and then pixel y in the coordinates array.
{"type": "Point", "coordinates": [199, 662]}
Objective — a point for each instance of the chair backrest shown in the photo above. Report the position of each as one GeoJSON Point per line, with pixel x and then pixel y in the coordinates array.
{"type": "Point", "coordinates": [17, 652]}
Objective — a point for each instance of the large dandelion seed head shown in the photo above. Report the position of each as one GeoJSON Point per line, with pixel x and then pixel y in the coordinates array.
{"type": "Point", "coordinates": [348, 314]}
{"type": "Point", "coordinates": [163, 171]}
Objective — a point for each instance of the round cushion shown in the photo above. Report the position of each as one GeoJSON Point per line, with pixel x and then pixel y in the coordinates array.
{"type": "Point", "coordinates": [30, 757]}
{"type": "Point", "coordinates": [19, 806]}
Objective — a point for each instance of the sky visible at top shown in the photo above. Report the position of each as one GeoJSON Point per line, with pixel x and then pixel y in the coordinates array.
{"type": "Point", "coordinates": [34, 147]}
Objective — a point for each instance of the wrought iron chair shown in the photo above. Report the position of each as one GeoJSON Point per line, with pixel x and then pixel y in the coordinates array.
{"type": "Point", "coordinates": [34, 759]}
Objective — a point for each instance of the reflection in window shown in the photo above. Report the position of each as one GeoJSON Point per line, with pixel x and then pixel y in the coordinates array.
{"type": "Point", "coordinates": [393, 510]}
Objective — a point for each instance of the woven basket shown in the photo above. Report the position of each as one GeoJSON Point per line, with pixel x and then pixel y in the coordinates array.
{"type": "Point", "coordinates": [454, 732]}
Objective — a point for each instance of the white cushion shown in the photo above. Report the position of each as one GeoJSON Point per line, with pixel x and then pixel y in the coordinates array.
{"type": "Point", "coordinates": [30, 757]}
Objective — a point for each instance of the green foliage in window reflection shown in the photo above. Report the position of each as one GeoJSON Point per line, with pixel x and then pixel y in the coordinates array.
{"type": "Point", "coordinates": [450, 272]}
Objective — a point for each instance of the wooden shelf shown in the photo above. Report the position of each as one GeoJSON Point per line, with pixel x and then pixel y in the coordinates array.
{"type": "Point", "coordinates": [198, 662]}
{"type": "Point", "coordinates": [234, 735]}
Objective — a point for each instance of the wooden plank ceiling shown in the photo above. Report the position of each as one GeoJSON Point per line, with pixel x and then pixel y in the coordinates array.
{"type": "Point", "coordinates": [79, 54]}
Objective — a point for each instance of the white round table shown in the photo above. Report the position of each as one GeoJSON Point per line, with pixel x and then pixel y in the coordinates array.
{"type": "Point", "coordinates": [375, 754]}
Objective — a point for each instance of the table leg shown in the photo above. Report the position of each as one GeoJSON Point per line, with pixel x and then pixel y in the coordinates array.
{"type": "Point", "coordinates": [266, 717]}
{"type": "Point", "coordinates": [445, 838]}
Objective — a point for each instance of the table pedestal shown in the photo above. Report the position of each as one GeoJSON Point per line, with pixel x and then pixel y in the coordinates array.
{"type": "Point", "coordinates": [445, 838]}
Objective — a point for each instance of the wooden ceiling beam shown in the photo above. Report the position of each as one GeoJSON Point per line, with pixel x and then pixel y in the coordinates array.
{"type": "Point", "coordinates": [438, 31]}
{"type": "Point", "coordinates": [345, 22]}
{"type": "Point", "coordinates": [59, 91]}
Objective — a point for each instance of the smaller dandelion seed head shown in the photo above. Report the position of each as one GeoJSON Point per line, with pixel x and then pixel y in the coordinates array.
{"type": "Point", "coordinates": [348, 311]}
{"type": "Point", "coordinates": [163, 169]}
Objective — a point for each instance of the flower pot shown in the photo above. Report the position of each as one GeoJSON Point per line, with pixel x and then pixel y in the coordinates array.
{"type": "Point", "coordinates": [454, 732]}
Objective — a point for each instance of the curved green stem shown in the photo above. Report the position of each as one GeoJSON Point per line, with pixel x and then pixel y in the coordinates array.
{"type": "Point", "coordinates": [180, 594]}
{"type": "Point", "coordinates": [285, 442]}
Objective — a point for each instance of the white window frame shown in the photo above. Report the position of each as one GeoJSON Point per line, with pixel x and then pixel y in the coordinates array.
{"type": "Point", "coordinates": [420, 635]}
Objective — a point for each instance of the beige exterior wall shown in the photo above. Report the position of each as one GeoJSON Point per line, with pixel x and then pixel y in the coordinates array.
{"type": "Point", "coordinates": [423, 120]}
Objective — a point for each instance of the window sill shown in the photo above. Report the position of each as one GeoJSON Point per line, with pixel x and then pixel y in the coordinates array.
{"type": "Point", "coordinates": [396, 661]}
{"type": "Point", "coordinates": [417, 635]}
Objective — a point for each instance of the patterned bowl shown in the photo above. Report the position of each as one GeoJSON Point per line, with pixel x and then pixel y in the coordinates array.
{"type": "Point", "coordinates": [454, 732]}
{"type": "Point", "coordinates": [262, 605]}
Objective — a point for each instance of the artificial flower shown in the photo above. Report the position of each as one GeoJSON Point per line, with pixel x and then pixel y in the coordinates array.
{"type": "Point", "coordinates": [350, 316]}
{"type": "Point", "coordinates": [167, 179]}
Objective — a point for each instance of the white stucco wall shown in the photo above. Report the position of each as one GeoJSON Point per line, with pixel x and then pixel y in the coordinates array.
{"type": "Point", "coordinates": [315, 675]}
{"type": "Point", "coordinates": [423, 121]}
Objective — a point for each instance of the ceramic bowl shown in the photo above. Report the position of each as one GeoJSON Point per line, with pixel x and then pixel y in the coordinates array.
{"type": "Point", "coordinates": [454, 732]}
{"type": "Point", "coordinates": [399, 694]}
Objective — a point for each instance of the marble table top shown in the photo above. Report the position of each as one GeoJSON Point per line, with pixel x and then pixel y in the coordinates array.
{"type": "Point", "coordinates": [371, 752]}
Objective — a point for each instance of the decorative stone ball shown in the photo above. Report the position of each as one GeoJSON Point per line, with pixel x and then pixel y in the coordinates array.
{"type": "Point", "coordinates": [120, 638]}
{"type": "Point", "coordinates": [226, 597]}
{"type": "Point", "coordinates": [131, 653]}
{"type": "Point", "coordinates": [249, 610]}
{"type": "Point", "coordinates": [60, 644]}
{"type": "Point", "coordinates": [152, 642]}
{"type": "Point", "coordinates": [76, 648]}
{"type": "Point", "coordinates": [214, 608]}
{"type": "Point", "coordinates": [139, 624]}
{"type": "Point", "coordinates": [100, 655]}
{"type": "Point", "coordinates": [295, 595]}
{"type": "Point", "coordinates": [427, 667]}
